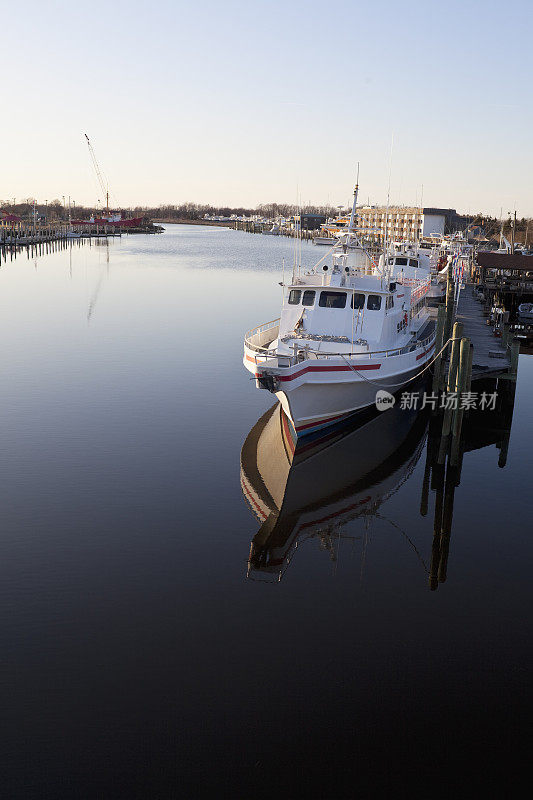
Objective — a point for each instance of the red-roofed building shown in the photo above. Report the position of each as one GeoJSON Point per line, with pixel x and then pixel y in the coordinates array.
{"type": "Point", "coordinates": [9, 219]}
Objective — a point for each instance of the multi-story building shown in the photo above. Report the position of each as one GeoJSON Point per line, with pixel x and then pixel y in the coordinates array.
{"type": "Point", "coordinates": [402, 223]}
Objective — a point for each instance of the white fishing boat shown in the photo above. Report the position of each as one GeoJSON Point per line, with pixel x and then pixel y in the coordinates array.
{"type": "Point", "coordinates": [327, 241]}
{"type": "Point", "coordinates": [273, 231]}
{"type": "Point", "coordinates": [349, 328]}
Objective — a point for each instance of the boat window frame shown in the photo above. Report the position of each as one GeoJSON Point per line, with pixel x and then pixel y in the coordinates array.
{"type": "Point", "coordinates": [376, 297]}
{"type": "Point", "coordinates": [358, 294]}
{"type": "Point", "coordinates": [327, 292]}
{"type": "Point", "coordinates": [311, 292]}
{"type": "Point", "coordinates": [294, 292]}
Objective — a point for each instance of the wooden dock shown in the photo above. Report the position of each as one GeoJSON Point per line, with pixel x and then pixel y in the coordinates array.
{"type": "Point", "coordinates": [250, 226]}
{"type": "Point", "coordinates": [490, 357]}
{"type": "Point", "coordinates": [476, 367]}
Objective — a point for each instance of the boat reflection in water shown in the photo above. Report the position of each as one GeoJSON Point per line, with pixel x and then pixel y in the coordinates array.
{"type": "Point", "coordinates": [314, 486]}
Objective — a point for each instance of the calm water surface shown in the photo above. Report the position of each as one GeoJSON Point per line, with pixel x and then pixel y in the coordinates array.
{"type": "Point", "coordinates": [138, 658]}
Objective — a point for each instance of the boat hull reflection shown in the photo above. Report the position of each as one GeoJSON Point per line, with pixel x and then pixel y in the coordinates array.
{"type": "Point", "coordinates": [299, 488]}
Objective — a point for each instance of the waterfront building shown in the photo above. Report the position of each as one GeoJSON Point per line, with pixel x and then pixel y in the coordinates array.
{"type": "Point", "coordinates": [10, 220]}
{"type": "Point", "coordinates": [402, 223]}
{"type": "Point", "coordinates": [309, 222]}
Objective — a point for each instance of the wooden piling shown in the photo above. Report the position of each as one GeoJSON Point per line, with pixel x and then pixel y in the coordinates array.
{"type": "Point", "coordinates": [469, 368]}
{"type": "Point", "coordinates": [450, 306]}
{"type": "Point", "coordinates": [505, 336]}
{"type": "Point", "coordinates": [439, 342]}
{"type": "Point", "coordinates": [452, 481]}
{"type": "Point", "coordinates": [450, 388]}
{"type": "Point", "coordinates": [515, 353]}
{"type": "Point", "coordinates": [437, 484]}
{"type": "Point", "coordinates": [461, 383]}
{"type": "Point", "coordinates": [457, 335]}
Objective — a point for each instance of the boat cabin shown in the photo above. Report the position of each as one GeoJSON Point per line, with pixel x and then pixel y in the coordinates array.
{"type": "Point", "coordinates": [364, 310]}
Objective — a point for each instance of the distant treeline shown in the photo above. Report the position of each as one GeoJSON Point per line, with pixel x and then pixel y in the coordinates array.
{"type": "Point", "coordinates": [53, 211]}
{"type": "Point", "coordinates": [492, 226]}
{"type": "Point", "coordinates": [58, 210]}
{"type": "Point", "coordinates": [196, 211]}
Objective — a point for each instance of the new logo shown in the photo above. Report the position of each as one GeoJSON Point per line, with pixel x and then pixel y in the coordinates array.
{"type": "Point", "coordinates": [384, 400]}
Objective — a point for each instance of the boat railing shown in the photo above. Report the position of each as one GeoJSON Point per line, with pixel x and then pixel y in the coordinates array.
{"type": "Point", "coordinates": [269, 331]}
{"type": "Point", "coordinates": [258, 338]}
{"type": "Point", "coordinates": [421, 344]}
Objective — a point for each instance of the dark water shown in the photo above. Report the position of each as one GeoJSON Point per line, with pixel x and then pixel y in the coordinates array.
{"type": "Point", "coordinates": [137, 658]}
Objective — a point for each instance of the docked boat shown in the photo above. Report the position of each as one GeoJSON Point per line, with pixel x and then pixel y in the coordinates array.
{"type": "Point", "coordinates": [273, 231]}
{"type": "Point", "coordinates": [348, 328]}
{"type": "Point", "coordinates": [330, 231]}
{"type": "Point", "coordinates": [327, 241]}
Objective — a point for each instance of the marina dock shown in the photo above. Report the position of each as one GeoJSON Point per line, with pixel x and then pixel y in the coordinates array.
{"type": "Point", "coordinates": [40, 239]}
{"type": "Point", "coordinates": [252, 226]}
{"type": "Point", "coordinates": [491, 355]}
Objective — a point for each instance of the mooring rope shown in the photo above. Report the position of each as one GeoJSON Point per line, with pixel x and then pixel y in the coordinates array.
{"type": "Point", "coordinates": [402, 383]}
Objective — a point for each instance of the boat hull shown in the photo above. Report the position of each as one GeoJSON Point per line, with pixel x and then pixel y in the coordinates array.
{"type": "Point", "coordinates": [325, 241]}
{"type": "Point", "coordinates": [315, 395]}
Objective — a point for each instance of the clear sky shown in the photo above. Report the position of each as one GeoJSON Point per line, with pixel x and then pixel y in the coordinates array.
{"type": "Point", "coordinates": [242, 103]}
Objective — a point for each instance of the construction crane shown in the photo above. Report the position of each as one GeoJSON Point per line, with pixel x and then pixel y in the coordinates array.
{"type": "Point", "coordinates": [103, 186]}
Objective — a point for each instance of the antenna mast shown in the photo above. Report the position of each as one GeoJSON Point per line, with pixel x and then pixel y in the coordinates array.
{"type": "Point", "coordinates": [355, 193]}
{"type": "Point", "coordinates": [103, 185]}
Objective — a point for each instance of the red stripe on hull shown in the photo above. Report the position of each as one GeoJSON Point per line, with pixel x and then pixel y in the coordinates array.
{"type": "Point", "coordinates": [425, 352]}
{"type": "Point", "coordinates": [326, 369]}
{"type": "Point", "coordinates": [258, 510]}
{"type": "Point", "coordinates": [318, 422]}
{"type": "Point", "coordinates": [288, 435]}
{"type": "Point", "coordinates": [335, 514]}
{"type": "Point", "coordinates": [346, 368]}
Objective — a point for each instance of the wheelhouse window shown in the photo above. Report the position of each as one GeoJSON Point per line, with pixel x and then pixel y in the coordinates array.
{"type": "Point", "coordinates": [413, 262]}
{"type": "Point", "coordinates": [401, 262]}
{"type": "Point", "coordinates": [332, 300]}
{"type": "Point", "coordinates": [374, 302]}
{"type": "Point", "coordinates": [294, 297]}
{"type": "Point", "coordinates": [358, 300]}
{"type": "Point", "coordinates": [308, 298]}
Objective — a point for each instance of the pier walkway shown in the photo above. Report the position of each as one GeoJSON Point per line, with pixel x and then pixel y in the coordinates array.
{"type": "Point", "coordinates": [489, 355]}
